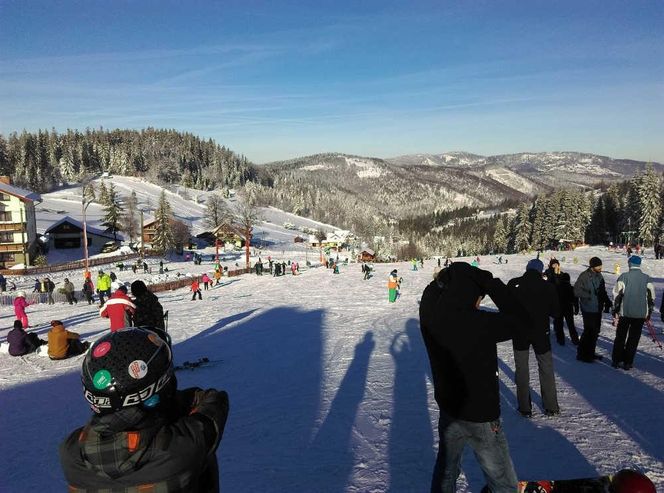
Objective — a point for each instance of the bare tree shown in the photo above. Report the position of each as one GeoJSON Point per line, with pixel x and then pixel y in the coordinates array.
{"type": "Point", "coordinates": [246, 216]}
{"type": "Point", "coordinates": [320, 237]}
{"type": "Point", "coordinates": [181, 234]}
{"type": "Point", "coordinates": [217, 212]}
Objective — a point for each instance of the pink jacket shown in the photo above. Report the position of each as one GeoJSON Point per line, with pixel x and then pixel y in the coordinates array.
{"type": "Point", "coordinates": [205, 278]}
{"type": "Point", "coordinates": [19, 307]}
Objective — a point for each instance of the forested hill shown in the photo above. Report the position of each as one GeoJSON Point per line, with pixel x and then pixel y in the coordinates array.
{"type": "Point", "coordinates": [41, 160]}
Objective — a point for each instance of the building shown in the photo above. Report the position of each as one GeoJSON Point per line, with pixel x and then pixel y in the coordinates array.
{"type": "Point", "coordinates": [18, 224]}
{"type": "Point", "coordinates": [335, 240]}
{"type": "Point", "coordinates": [68, 233]}
{"type": "Point", "coordinates": [229, 234]}
{"type": "Point", "coordinates": [367, 255]}
{"type": "Point", "coordinates": [150, 230]}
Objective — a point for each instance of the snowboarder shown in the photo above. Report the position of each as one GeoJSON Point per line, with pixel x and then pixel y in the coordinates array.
{"type": "Point", "coordinates": [634, 296]}
{"type": "Point", "coordinates": [119, 309]}
{"type": "Point", "coordinates": [392, 286]}
{"type": "Point", "coordinates": [149, 312]}
{"type": "Point", "coordinates": [457, 336]}
{"type": "Point", "coordinates": [169, 437]}
{"type": "Point", "coordinates": [196, 290]}
{"type": "Point", "coordinates": [539, 299]}
{"type": "Point", "coordinates": [63, 344]}
{"type": "Point", "coordinates": [591, 291]}
{"type": "Point", "coordinates": [22, 342]}
{"type": "Point", "coordinates": [20, 304]}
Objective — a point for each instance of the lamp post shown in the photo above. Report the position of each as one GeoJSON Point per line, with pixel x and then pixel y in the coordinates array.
{"type": "Point", "coordinates": [86, 200]}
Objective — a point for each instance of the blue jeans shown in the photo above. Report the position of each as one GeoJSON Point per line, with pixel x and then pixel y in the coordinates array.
{"type": "Point", "coordinates": [489, 445]}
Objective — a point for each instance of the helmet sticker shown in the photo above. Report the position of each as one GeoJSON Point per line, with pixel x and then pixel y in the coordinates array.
{"type": "Point", "coordinates": [102, 379]}
{"type": "Point", "coordinates": [152, 401]}
{"type": "Point", "coordinates": [102, 349]}
{"type": "Point", "coordinates": [155, 339]}
{"type": "Point", "coordinates": [137, 369]}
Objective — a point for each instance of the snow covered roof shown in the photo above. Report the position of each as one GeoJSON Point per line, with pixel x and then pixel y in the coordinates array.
{"type": "Point", "coordinates": [21, 193]}
{"type": "Point", "coordinates": [79, 225]}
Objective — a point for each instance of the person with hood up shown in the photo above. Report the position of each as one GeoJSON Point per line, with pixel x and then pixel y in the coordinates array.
{"type": "Point", "coordinates": [149, 311]}
{"type": "Point", "coordinates": [461, 343]}
{"type": "Point", "coordinates": [634, 296]}
{"type": "Point", "coordinates": [63, 344]}
{"type": "Point", "coordinates": [119, 309]}
{"type": "Point", "coordinates": [145, 434]}
{"type": "Point", "coordinates": [591, 291]}
{"type": "Point", "coordinates": [22, 342]}
{"type": "Point", "coordinates": [20, 304]}
{"type": "Point", "coordinates": [539, 299]}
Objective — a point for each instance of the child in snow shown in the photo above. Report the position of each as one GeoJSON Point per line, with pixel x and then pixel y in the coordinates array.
{"type": "Point", "coordinates": [63, 344]}
{"type": "Point", "coordinates": [206, 280]}
{"type": "Point", "coordinates": [392, 286]}
{"type": "Point", "coordinates": [196, 289]}
{"type": "Point", "coordinates": [20, 304]}
{"type": "Point", "coordinates": [145, 434]}
{"type": "Point", "coordinates": [217, 276]}
{"type": "Point", "coordinates": [22, 342]}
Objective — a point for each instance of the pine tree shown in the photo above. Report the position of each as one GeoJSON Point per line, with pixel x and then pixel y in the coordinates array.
{"type": "Point", "coordinates": [522, 229]}
{"type": "Point", "coordinates": [113, 212]}
{"type": "Point", "coordinates": [500, 236]}
{"type": "Point", "coordinates": [130, 222]}
{"type": "Point", "coordinates": [538, 237]}
{"type": "Point", "coordinates": [650, 206]}
{"type": "Point", "coordinates": [163, 239]}
{"type": "Point", "coordinates": [102, 194]}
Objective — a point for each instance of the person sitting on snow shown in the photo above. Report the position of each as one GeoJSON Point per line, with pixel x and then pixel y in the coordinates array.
{"type": "Point", "coordinates": [118, 309]}
{"type": "Point", "coordinates": [22, 342]}
{"type": "Point", "coordinates": [63, 344]}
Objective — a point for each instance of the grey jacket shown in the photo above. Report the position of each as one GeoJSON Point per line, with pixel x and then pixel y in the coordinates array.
{"type": "Point", "coordinates": [634, 286]}
{"type": "Point", "coordinates": [591, 291]}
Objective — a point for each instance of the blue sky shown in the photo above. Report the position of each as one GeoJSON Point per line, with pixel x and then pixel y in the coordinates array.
{"type": "Point", "coordinates": [279, 79]}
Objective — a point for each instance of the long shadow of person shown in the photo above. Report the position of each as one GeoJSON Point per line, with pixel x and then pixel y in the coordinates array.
{"type": "Point", "coordinates": [410, 446]}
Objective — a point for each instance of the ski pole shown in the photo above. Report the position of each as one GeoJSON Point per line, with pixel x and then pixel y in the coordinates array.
{"type": "Point", "coordinates": [653, 336]}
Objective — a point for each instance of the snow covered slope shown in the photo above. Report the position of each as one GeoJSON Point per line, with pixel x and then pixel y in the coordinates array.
{"type": "Point", "coordinates": [330, 387]}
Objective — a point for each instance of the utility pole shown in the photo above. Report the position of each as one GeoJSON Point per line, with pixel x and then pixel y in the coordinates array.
{"type": "Point", "coordinates": [142, 250]}
{"type": "Point", "coordinates": [85, 202]}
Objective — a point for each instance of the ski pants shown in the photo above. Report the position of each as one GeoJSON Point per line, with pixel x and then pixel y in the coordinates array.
{"type": "Point", "coordinates": [546, 377]}
{"type": "Point", "coordinates": [592, 323]}
{"type": "Point", "coordinates": [568, 317]}
{"type": "Point", "coordinates": [489, 445]}
{"type": "Point", "coordinates": [629, 329]}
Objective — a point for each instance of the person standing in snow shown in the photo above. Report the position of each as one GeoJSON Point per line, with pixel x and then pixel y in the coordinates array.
{"type": "Point", "coordinates": [49, 287]}
{"type": "Point", "coordinates": [461, 344]}
{"type": "Point", "coordinates": [217, 276]}
{"type": "Point", "coordinates": [591, 291]}
{"type": "Point", "coordinates": [196, 290]}
{"type": "Point", "coordinates": [145, 434]}
{"type": "Point", "coordinates": [539, 299]}
{"type": "Point", "coordinates": [68, 286]}
{"type": "Point", "coordinates": [392, 286]}
{"type": "Point", "coordinates": [103, 286]}
{"type": "Point", "coordinates": [88, 290]}
{"type": "Point", "coordinates": [119, 309]}
{"type": "Point", "coordinates": [634, 296]}
{"type": "Point", "coordinates": [149, 311]}
{"type": "Point", "coordinates": [20, 304]}
{"type": "Point", "coordinates": [567, 301]}
{"type": "Point", "coordinates": [206, 281]}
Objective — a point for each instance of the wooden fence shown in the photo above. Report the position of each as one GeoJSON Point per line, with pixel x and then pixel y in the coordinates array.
{"type": "Point", "coordinates": [78, 264]}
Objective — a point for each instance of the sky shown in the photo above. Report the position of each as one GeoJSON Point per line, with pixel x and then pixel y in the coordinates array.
{"type": "Point", "coordinates": [277, 80]}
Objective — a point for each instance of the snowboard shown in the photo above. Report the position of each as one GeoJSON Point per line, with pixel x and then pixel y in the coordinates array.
{"type": "Point", "coordinates": [598, 484]}
{"type": "Point", "coordinates": [199, 363]}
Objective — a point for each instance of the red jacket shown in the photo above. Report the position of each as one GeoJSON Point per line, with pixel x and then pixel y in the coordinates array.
{"type": "Point", "coordinates": [195, 286]}
{"type": "Point", "coordinates": [119, 310]}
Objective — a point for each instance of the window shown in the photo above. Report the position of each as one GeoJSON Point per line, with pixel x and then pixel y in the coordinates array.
{"type": "Point", "coordinates": [6, 237]}
{"type": "Point", "coordinates": [4, 197]}
{"type": "Point", "coordinates": [9, 257]}
{"type": "Point", "coordinates": [6, 216]}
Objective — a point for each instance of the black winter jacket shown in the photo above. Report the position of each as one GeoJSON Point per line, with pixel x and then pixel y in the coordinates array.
{"type": "Point", "coordinates": [161, 453]}
{"type": "Point", "coordinates": [540, 299]}
{"type": "Point", "coordinates": [149, 311]}
{"type": "Point", "coordinates": [461, 340]}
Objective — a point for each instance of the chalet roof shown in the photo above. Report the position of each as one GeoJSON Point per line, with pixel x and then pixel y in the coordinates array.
{"type": "Point", "coordinates": [369, 251]}
{"type": "Point", "coordinates": [79, 225]}
{"type": "Point", "coordinates": [21, 193]}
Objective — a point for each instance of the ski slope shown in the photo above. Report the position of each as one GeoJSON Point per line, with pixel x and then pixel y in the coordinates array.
{"type": "Point", "coordinates": [330, 387]}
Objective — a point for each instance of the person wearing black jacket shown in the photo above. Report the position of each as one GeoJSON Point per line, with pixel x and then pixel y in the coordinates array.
{"type": "Point", "coordinates": [461, 344]}
{"type": "Point", "coordinates": [149, 311]}
{"type": "Point", "coordinates": [540, 299]}
{"type": "Point", "coordinates": [145, 434]}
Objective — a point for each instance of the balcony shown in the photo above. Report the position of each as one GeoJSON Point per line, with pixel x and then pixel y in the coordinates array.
{"type": "Point", "coordinates": [13, 247]}
{"type": "Point", "coordinates": [17, 227]}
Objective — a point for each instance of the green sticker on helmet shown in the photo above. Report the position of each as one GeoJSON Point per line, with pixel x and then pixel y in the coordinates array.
{"type": "Point", "coordinates": [102, 379]}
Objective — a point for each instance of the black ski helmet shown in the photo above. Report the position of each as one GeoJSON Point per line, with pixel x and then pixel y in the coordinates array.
{"type": "Point", "coordinates": [629, 481]}
{"type": "Point", "coordinates": [126, 368]}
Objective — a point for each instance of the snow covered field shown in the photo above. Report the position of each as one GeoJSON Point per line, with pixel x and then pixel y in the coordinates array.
{"type": "Point", "coordinates": [330, 387]}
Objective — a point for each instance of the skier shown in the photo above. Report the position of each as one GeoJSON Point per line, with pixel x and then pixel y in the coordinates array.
{"type": "Point", "coordinates": [149, 312]}
{"type": "Point", "coordinates": [20, 304]}
{"type": "Point", "coordinates": [206, 281]}
{"type": "Point", "coordinates": [392, 286]}
{"type": "Point", "coordinates": [539, 299]}
{"type": "Point", "coordinates": [414, 263]}
{"type": "Point", "coordinates": [591, 291]}
{"type": "Point", "coordinates": [567, 301]}
{"type": "Point", "coordinates": [119, 309]}
{"type": "Point", "coordinates": [88, 290]}
{"type": "Point", "coordinates": [69, 291]}
{"type": "Point", "coordinates": [63, 344]}
{"type": "Point", "coordinates": [196, 290]}
{"type": "Point", "coordinates": [461, 343]}
{"type": "Point", "coordinates": [22, 342]}
{"type": "Point", "coordinates": [217, 276]}
{"type": "Point", "coordinates": [145, 434]}
{"type": "Point", "coordinates": [634, 296]}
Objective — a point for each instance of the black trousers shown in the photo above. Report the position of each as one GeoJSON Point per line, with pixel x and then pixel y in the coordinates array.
{"type": "Point", "coordinates": [568, 317]}
{"type": "Point", "coordinates": [592, 323]}
{"type": "Point", "coordinates": [628, 334]}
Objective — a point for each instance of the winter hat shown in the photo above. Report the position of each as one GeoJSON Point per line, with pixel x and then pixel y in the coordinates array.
{"type": "Point", "coordinates": [20, 294]}
{"type": "Point", "coordinates": [463, 284]}
{"type": "Point", "coordinates": [138, 288]}
{"type": "Point", "coordinates": [122, 288]}
{"type": "Point", "coordinates": [535, 264]}
{"type": "Point", "coordinates": [595, 262]}
{"type": "Point", "coordinates": [634, 260]}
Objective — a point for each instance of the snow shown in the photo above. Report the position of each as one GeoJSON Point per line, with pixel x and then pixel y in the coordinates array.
{"type": "Point", "coordinates": [330, 387]}
{"type": "Point", "coordinates": [368, 169]}
{"type": "Point", "coordinates": [511, 179]}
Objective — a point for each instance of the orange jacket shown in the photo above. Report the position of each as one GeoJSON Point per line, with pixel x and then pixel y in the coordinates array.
{"type": "Point", "coordinates": [392, 283]}
{"type": "Point", "coordinates": [58, 341]}
{"type": "Point", "coordinates": [195, 286]}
